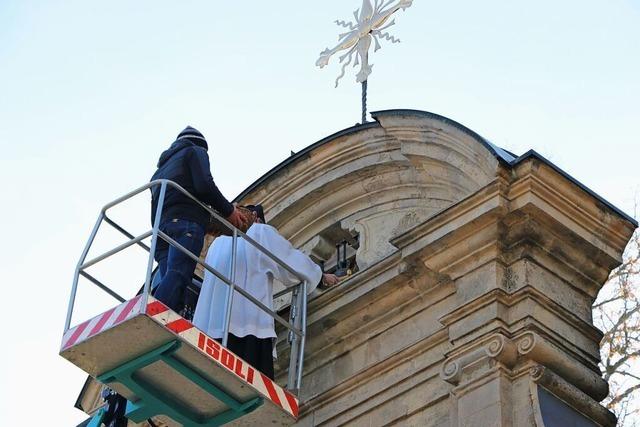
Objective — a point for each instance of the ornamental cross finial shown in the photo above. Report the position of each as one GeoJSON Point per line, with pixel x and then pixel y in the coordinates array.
{"type": "Point", "coordinates": [370, 24]}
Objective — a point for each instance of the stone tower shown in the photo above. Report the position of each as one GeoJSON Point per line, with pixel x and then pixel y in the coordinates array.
{"type": "Point", "coordinates": [474, 275]}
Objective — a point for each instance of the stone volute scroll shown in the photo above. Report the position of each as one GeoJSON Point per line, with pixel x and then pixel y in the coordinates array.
{"type": "Point", "coordinates": [535, 348]}
{"type": "Point", "coordinates": [497, 349]}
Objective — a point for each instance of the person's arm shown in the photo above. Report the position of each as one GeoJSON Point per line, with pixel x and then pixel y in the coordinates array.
{"type": "Point", "coordinates": [206, 189]}
{"type": "Point", "coordinates": [269, 237]}
{"type": "Point", "coordinates": [329, 279]}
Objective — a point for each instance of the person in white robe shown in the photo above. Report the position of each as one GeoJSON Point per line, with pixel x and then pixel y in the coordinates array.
{"type": "Point", "coordinates": [251, 330]}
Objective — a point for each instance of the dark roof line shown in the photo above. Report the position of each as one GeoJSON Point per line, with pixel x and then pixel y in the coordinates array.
{"type": "Point", "coordinates": [535, 154]}
{"type": "Point", "coordinates": [498, 152]}
{"type": "Point", "coordinates": [501, 154]}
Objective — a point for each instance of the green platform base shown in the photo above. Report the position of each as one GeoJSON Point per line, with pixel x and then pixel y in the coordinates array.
{"type": "Point", "coordinates": [152, 402]}
{"type": "Point", "coordinates": [96, 421]}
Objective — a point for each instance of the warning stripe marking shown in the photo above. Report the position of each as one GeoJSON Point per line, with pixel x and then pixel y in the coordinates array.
{"type": "Point", "coordinates": [189, 333]}
{"type": "Point", "coordinates": [273, 394]}
{"type": "Point", "coordinates": [76, 334]}
{"type": "Point", "coordinates": [98, 327]}
{"type": "Point", "coordinates": [179, 325]}
{"type": "Point", "coordinates": [222, 356]}
{"type": "Point", "coordinates": [156, 307]}
{"type": "Point", "coordinates": [126, 310]}
{"type": "Point", "coordinates": [293, 403]}
{"type": "Point", "coordinates": [101, 322]}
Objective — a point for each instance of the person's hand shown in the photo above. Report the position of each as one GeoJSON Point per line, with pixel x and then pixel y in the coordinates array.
{"type": "Point", "coordinates": [238, 219]}
{"type": "Point", "coordinates": [329, 279]}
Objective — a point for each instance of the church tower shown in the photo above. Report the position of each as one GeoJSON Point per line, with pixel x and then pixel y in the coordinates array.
{"type": "Point", "coordinates": [473, 275]}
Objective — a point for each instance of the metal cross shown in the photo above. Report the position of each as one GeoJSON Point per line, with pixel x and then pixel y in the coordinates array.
{"type": "Point", "coordinates": [371, 21]}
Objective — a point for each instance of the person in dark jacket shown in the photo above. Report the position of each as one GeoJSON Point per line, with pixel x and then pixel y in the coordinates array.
{"type": "Point", "coordinates": [186, 163]}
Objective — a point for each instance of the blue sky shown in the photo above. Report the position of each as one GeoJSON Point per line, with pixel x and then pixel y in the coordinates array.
{"type": "Point", "coordinates": [92, 92]}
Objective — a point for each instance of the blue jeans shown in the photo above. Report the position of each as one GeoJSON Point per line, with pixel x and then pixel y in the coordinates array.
{"type": "Point", "coordinates": [176, 268]}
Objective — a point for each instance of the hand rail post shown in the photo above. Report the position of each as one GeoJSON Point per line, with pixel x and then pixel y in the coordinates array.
{"type": "Point", "coordinates": [303, 329]}
{"type": "Point", "coordinates": [76, 275]}
{"type": "Point", "coordinates": [232, 286]}
{"type": "Point", "coordinates": [115, 250]}
{"type": "Point", "coordinates": [294, 340]}
{"type": "Point", "coordinates": [154, 241]}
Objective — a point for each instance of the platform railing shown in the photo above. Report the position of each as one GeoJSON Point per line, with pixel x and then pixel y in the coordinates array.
{"type": "Point", "coordinates": [296, 325]}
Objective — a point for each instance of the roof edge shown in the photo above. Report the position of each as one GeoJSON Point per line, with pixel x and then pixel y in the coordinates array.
{"type": "Point", "coordinates": [500, 154]}
{"type": "Point", "coordinates": [505, 157]}
{"type": "Point", "coordinates": [534, 154]}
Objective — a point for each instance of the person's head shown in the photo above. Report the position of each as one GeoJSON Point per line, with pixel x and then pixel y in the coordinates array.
{"type": "Point", "coordinates": [193, 135]}
{"type": "Point", "coordinates": [215, 228]}
{"type": "Point", "coordinates": [258, 213]}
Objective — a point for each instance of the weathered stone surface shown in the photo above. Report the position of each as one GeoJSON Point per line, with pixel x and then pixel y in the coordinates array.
{"type": "Point", "coordinates": [476, 276]}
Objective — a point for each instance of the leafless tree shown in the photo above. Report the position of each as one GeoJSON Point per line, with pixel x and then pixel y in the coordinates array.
{"type": "Point", "coordinates": [617, 313]}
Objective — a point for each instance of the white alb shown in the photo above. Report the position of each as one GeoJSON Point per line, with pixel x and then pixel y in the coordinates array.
{"type": "Point", "coordinates": [255, 273]}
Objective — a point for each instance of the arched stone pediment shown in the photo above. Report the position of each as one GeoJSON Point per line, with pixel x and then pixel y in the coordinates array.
{"type": "Point", "coordinates": [375, 180]}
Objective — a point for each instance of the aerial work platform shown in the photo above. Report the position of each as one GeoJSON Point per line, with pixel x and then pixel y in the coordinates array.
{"type": "Point", "coordinates": [167, 369]}
{"type": "Point", "coordinates": [171, 371]}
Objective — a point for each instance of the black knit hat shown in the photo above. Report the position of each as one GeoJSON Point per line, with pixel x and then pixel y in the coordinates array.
{"type": "Point", "coordinates": [194, 136]}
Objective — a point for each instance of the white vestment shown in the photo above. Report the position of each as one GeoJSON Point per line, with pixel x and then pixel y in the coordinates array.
{"type": "Point", "coordinates": [255, 273]}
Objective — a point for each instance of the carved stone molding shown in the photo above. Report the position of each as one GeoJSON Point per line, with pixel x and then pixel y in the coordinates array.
{"type": "Point", "coordinates": [497, 347]}
{"type": "Point", "coordinates": [536, 348]}
{"type": "Point", "coordinates": [528, 346]}
{"type": "Point", "coordinates": [511, 299]}
{"type": "Point", "coordinates": [545, 377]}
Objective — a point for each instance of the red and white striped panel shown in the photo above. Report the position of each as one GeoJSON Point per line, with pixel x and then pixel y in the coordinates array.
{"type": "Point", "coordinates": [102, 322]}
{"type": "Point", "coordinates": [214, 350]}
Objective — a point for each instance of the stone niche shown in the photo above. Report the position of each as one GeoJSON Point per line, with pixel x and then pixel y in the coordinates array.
{"type": "Point", "coordinates": [476, 272]}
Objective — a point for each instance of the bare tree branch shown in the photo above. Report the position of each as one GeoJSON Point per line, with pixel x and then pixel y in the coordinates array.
{"type": "Point", "coordinates": [623, 395]}
{"type": "Point", "coordinates": [617, 314]}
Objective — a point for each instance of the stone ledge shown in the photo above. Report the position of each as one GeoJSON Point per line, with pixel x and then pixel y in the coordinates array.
{"type": "Point", "coordinates": [500, 350]}
{"type": "Point", "coordinates": [571, 395]}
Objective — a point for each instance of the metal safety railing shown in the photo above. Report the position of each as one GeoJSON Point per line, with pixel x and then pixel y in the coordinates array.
{"type": "Point", "coordinates": [296, 325]}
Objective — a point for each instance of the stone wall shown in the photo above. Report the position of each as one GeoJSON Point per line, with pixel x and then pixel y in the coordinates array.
{"type": "Point", "coordinates": [476, 274]}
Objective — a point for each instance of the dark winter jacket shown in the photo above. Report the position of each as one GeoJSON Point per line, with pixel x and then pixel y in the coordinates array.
{"type": "Point", "coordinates": [187, 164]}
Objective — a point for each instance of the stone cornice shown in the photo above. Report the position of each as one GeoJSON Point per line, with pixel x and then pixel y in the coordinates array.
{"type": "Point", "coordinates": [355, 287]}
{"type": "Point", "coordinates": [332, 166]}
{"type": "Point", "coordinates": [524, 347]}
{"type": "Point", "coordinates": [546, 378]}
{"type": "Point", "coordinates": [535, 347]}
{"type": "Point", "coordinates": [541, 185]}
{"type": "Point", "coordinates": [536, 193]}
{"type": "Point", "coordinates": [488, 200]}
{"type": "Point", "coordinates": [533, 155]}
{"type": "Point", "coordinates": [332, 314]}
{"type": "Point", "coordinates": [510, 299]}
